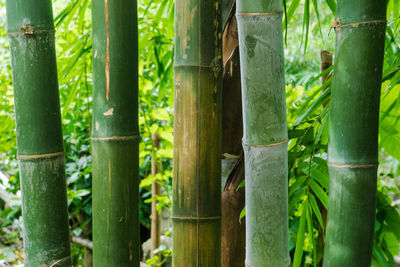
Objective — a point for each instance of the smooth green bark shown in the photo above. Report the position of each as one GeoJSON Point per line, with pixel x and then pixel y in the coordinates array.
{"type": "Point", "coordinates": [115, 135]}
{"type": "Point", "coordinates": [39, 136]}
{"type": "Point", "coordinates": [265, 132]}
{"type": "Point", "coordinates": [353, 145]}
{"type": "Point", "coordinates": [197, 134]}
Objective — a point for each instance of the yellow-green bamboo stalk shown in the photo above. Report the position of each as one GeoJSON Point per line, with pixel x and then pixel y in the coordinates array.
{"type": "Point", "coordinates": [197, 135]}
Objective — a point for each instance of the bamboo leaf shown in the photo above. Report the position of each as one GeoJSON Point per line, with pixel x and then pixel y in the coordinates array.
{"type": "Point", "coordinates": [293, 6]}
{"type": "Point", "coordinates": [294, 199]}
{"type": "Point", "coordinates": [322, 178]}
{"type": "Point", "coordinates": [311, 234]}
{"type": "Point", "coordinates": [316, 210]}
{"type": "Point", "coordinates": [332, 6]}
{"type": "Point", "coordinates": [306, 23]}
{"type": "Point", "coordinates": [322, 127]}
{"type": "Point", "coordinates": [300, 183]}
{"type": "Point", "coordinates": [242, 214]}
{"type": "Point", "coordinates": [300, 237]}
{"type": "Point", "coordinates": [320, 101]}
{"type": "Point", "coordinates": [379, 256]}
{"type": "Point", "coordinates": [320, 193]}
{"type": "Point", "coordinates": [315, 4]}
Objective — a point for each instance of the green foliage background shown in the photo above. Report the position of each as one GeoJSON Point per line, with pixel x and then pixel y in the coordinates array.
{"type": "Point", "coordinates": [308, 31]}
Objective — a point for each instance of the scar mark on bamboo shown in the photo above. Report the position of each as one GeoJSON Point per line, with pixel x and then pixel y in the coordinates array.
{"type": "Point", "coordinates": [58, 262]}
{"type": "Point", "coordinates": [27, 30]}
{"type": "Point", "coordinates": [107, 59]}
{"type": "Point", "coordinates": [30, 30]}
{"type": "Point", "coordinates": [109, 112]}
{"type": "Point", "coordinates": [336, 23]}
{"type": "Point", "coordinates": [130, 251]}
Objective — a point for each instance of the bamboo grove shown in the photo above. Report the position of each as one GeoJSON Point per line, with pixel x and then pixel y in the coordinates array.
{"type": "Point", "coordinates": [230, 126]}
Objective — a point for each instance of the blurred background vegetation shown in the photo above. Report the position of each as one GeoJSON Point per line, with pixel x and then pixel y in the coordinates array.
{"type": "Point", "coordinates": [308, 31]}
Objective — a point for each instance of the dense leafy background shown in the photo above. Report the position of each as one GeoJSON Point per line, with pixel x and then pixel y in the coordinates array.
{"type": "Point", "coordinates": [307, 23]}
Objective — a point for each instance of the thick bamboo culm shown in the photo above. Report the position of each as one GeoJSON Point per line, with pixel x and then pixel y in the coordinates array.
{"type": "Point", "coordinates": [197, 134]}
{"type": "Point", "coordinates": [353, 135]}
{"type": "Point", "coordinates": [39, 136]}
{"type": "Point", "coordinates": [115, 135]}
{"type": "Point", "coordinates": [265, 132]}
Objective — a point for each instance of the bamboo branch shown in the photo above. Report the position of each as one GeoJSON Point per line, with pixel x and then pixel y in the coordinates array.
{"type": "Point", "coordinates": [83, 242]}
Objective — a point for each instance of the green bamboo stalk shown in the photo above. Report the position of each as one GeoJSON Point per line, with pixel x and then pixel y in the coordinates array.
{"type": "Point", "coordinates": [353, 145]}
{"type": "Point", "coordinates": [39, 136]}
{"type": "Point", "coordinates": [197, 133]}
{"type": "Point", "coordinates": [115, 134]}
{"type": "Point", "coordinates": [265, 132]}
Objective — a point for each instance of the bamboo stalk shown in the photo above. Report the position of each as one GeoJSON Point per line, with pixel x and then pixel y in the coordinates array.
{"type": "Point", "coordinates": [115, 134]}
{"type": "Point", "coordinates": [39, 136]}
{"type": "Point", "coordinates": [197, 135]}
{"type": "Point", "coordinates": [353, 145]}
{"type": "Point", "coordinates": [265, 132]}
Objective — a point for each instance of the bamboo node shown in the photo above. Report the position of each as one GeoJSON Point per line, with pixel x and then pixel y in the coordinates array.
{"type": "Point", "coordinates": [41, 156]}
{"type": "Point", "coordinates": [27, 30]}
{"type": "Point", "coordinates": [259, 14]}
{"type": "Point", "coordinates": [183, 218]}
{"type": "Point", "coordinates": [30, 30]}
{"type": "Point", "coordinates": [192, 66]}
{"type": "Point", "coordinates": [353, 166]}
{"type": "Point", "coordinates": [249, 265]}
{"type": "Point", "coordinates": [336, 23]}
{"type": "Point", "coordinates": [269, 145]}
{"type": "Point", "coordinates": [116, 138]}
